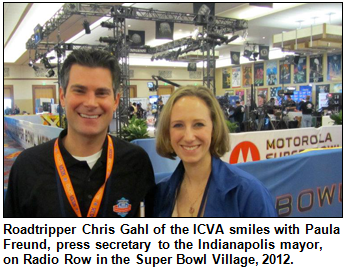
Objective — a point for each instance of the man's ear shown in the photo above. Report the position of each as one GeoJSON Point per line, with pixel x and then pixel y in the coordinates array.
{"type": "Point", "coordinates": [62, 97]}
{"type": "Point", "coordinates": [116, 102]}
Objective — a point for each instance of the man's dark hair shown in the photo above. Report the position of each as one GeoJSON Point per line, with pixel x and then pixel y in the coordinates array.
{"type": "Point", "coordinates": [90, 58]}
{"type": "Point", "coordinates": [237, 102]}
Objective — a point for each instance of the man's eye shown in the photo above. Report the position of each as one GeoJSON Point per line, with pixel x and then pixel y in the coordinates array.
{"type": "Point", "coordinates": [78, 90]}
{"type": "Point", "coordinates": [103, 93]}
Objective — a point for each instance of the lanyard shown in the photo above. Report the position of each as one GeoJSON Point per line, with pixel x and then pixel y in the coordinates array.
{"type": "Point", "coordinates": [67, 184]}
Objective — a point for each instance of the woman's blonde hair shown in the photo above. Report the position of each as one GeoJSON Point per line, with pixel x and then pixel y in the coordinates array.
{"type": "Point", "coordinates": [220, 139]}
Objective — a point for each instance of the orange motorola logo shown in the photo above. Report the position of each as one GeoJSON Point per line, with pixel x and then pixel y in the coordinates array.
{"type": "Point", "coordinates": [243, 152]}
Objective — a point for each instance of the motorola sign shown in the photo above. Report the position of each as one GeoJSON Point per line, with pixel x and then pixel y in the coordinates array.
{"type": "Point", "coordinates": [244, 152]}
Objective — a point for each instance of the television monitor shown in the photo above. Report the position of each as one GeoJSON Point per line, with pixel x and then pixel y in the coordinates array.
{"type": "Point", "coordinates": [150, 85]}
{"type": "Point", "coordinates": [38, 33]}
{"type": "Point", "coordinates": [153, 99]}
{"type": "Point", "coordinates": [192, 67]}
{"type": "Point", "coordinates": [46, 106]}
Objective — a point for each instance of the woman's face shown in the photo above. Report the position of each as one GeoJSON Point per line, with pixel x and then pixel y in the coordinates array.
{"type": "Point", "coordinates": [191, 130]}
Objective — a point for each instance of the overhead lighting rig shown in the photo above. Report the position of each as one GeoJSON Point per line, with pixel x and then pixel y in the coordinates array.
{"type": "Point", "coordinates": [250, 51]}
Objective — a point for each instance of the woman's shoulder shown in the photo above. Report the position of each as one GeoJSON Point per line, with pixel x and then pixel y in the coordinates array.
{"type": "Point", "coordinates": [230, 175]}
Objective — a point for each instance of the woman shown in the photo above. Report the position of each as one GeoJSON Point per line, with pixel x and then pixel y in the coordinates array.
{"type": "Point", "coordinates": [192, 127]}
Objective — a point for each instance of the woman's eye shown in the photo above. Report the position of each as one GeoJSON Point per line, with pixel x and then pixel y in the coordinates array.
{"type": "Point", "coordinates": [199, 125]}
{"type": "Point", "coordinates": [177, 125]}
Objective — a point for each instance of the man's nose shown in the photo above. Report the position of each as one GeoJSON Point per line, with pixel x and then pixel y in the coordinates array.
{"type": "Point", "coordinates": [90, 100]}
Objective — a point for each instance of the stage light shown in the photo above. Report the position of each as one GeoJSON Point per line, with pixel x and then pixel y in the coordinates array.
{"type": "Point", "coordinates": [232, 39]}
{"type": "Point", "coordinates": [108, 40]}
{"type": "Point", "coordinates": [247, 53]}
{"type": "Point", "coordinates": [50, 73]}
{"type": "Point", "coordinates": [108, 25]}
{"type": "Point", "coordinates": [45, 62]}
{"type": "Point", "coordinates": [86, 26]}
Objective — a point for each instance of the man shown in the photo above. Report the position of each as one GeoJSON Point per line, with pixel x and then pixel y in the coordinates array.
{"type": "Point", "coordinates": [290, 104]}
{"type": "Point", "coordinates": [306, 108]}
{"type": "Point", "coordinates": [85, 172]}
{"type": "Point", "coordinates": [8, 111]}
{"type": "Point", "coordinates": [261, 100]}
{"type": "Point", "coordinates": [238, 115]}
{"type": "Point", "coordinates": [262, 123]}
{"type": "Point", "coordinates": [159, 109]}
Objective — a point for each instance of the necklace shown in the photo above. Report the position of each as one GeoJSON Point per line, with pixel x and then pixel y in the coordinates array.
{"type": "Point", "coordinates": [192, 208]}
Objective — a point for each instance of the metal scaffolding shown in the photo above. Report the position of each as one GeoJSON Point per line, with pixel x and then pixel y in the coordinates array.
{"type": "Point", "coordinates": [120, 45]}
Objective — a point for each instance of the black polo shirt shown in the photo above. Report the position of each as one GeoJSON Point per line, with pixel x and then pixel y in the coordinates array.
{"type": "Point", "coordinates": [35, 189]}
{"type": "Point", "coordinates": [307, 107]}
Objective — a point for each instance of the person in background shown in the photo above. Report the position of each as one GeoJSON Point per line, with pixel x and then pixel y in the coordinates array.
{"type": "Point", "coordinates": [8, 110]}
{"type": "Point", "coordinates": [306, 108]}
{"type": "Point", "coordinates": [160, 106]}
{"type": "Point", "coordinates": [261, 100]}
{"type": "Point", "coordinates": [134, 104]}
{"type": "Point", "coordinates": [84, 172]}
{"type": "Point", "coordinates": [131, 110]}
{"type": "Point", "coordinates": [238, 115]}
{"type": "Point", "coordinates": [290, 104]}
{"type": "Point", "coordinates": [16, 110]}
{"type": "Point", "coordinates": [149, 109]}
{"type": "Point", "coordinates": [140, 111]}
{"type": "Point", "coordinates": [192, 126]}
{"type": "Point", "coordinates": [270, 106]}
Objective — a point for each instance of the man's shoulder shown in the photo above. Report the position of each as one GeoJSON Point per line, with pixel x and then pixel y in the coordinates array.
{"type": "Point", "coordinates": [42, 152]}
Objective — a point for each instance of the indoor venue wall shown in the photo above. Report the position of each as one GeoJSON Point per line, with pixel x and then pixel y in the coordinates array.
{"type": "Point", "coordinates": [221, 91]}
{"type": "Point", "coordinates": [23, 78]}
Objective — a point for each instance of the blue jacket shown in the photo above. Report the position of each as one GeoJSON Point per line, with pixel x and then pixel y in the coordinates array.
{"type": "Point", "coordinates": [232, 193]}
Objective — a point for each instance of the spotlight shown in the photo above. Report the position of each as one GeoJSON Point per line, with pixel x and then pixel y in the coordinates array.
{"type": "Point", "coordinates": [35, 68]}
{"type": "Point", "coordinates": [108, 40]}
{"type": "Point", "coordinates": [50, 73]}
{"type": "Point", "coordinates": [108, 25]}
{"type": "Point", "coordinates": [247, 53]}
{"type": "Point", "coordinates": [200, 20]}
{"type": "Point", "coordinates": [31, 63]}
{"type": "Point", "coordinates": [86, 26]}
{"type": "Point", "coordinates": [232, 39]}
{"type": "Point", "coordinates": [46, 63]}
{"type": "Point", "coordinates": [255, 55]}
{"type": "Point", "coordinates": [217, 36]}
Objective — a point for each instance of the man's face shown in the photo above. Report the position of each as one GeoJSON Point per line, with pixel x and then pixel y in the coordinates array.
{"type": "Point", "coordinates": [89, 101]}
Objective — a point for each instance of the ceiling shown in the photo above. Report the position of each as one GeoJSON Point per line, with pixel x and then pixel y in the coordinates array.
{"type": "Point", "coordinates": [263, 24]}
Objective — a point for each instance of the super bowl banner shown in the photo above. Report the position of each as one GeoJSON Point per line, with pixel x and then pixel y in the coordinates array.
{"type": "Point", "coordinates": [29, 131]}
{"type": "Point", "coordinates": [262, 145]}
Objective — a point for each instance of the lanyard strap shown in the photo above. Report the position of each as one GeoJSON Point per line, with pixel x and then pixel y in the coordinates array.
{"type": "Point", "coordinates": [204, 199]}
{"type": "Point", "coordinates": [67, 184]}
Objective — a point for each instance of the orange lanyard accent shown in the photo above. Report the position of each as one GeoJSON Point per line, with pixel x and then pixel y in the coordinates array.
{"type": "Point", "coordinates": [66, 181]}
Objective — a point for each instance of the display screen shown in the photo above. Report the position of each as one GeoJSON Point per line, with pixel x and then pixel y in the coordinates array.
{"type": "Point", "coordinates": [38, 33]}
{"type": "Point", "coordinates": [153, 99]}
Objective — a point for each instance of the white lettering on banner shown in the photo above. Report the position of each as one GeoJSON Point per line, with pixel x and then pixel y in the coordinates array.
{"type": "Point", "coordinates": [29, 134]}
{"type": "Point", "coordinates": [253, 146]}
